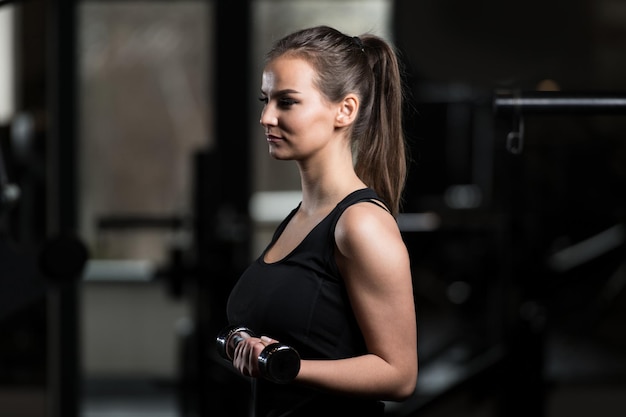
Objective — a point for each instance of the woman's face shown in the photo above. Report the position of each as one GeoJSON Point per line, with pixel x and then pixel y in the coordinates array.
{"type": "Point", "coordinates": [297, 119]}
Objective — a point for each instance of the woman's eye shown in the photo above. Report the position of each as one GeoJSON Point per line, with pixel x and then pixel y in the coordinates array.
{"type": "Point", "coordinates": [282, 102]}
{"type": "Point", "coordinates": [286, 102]}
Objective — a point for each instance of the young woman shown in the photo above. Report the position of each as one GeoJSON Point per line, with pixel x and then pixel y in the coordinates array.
{"type": "Point", "coordinates": [334, 282]}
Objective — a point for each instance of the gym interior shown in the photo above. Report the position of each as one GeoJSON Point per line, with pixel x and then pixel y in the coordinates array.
{"type": "Point", "coordinates": [135, 186]}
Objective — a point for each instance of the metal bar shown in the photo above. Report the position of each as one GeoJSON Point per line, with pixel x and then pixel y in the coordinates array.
{"type": "Point", "coordinates": [64, 366]}
{"type": "Point", "coordinates": [556, 102]}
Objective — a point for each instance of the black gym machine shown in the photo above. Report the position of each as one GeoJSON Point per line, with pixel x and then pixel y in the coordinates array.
{"type": "Point", "coordinates": [512, 370]}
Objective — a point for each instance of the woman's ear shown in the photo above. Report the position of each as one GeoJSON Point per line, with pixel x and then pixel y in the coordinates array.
{"type": "Point", "coordinates": [347, 111]}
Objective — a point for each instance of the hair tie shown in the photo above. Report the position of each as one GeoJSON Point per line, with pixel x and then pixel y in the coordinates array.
{"type": "Point", "coordinates": [358, 43]}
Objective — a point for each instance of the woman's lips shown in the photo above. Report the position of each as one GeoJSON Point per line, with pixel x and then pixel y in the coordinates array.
{"type": "Point", "coordinates": [272, 138]}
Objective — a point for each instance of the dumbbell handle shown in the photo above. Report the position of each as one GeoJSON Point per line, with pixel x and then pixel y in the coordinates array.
{"type": "Point", "coordinates": [277, 362]}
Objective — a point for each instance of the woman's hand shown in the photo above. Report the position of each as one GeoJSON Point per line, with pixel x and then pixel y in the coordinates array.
{"type": "Point", "coordinates": [246, 354]}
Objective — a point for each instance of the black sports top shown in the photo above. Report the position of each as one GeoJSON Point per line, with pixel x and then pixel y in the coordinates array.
{"type": "Point", "coordinates": [301, 301]}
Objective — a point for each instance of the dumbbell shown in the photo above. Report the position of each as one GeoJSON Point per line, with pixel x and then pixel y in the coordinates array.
{"type": "Point", "coordinates": [277, 362]}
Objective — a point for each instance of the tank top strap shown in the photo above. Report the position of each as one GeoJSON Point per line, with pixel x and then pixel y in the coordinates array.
{"type": "Point", "coordinates": [283, 224]}
{"type": "Point", "coordinates": [357, 196]}
{"type": "Point", "coordinates": [363, 194]}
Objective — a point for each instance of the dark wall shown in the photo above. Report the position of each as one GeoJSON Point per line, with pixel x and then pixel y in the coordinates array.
{"type": "Point", "coordinates": [494, 43]}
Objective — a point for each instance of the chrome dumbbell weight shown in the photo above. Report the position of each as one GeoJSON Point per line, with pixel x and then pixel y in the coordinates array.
{"type": "Point", "coordinates": [277, 362]}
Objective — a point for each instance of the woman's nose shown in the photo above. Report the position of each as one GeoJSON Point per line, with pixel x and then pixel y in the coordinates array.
{"type": "Point", "coordinates": [268, 118]}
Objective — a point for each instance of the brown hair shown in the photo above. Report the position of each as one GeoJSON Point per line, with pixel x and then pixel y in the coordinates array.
{"type": "Point", "coordinates": [368, 66]}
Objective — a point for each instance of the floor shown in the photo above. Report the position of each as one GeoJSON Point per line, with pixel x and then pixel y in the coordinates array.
{"type": "Point", "coordinates": [129, 399]}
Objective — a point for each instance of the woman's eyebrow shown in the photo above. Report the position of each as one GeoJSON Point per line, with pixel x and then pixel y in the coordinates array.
{"type": "Point", "coordinates": [283, 92]}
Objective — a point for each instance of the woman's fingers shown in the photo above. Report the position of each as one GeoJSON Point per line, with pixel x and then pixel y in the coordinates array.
{"type": "Point", "coordinates": [246, 355]}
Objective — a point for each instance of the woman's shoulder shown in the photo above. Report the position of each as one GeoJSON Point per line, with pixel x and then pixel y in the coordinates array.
{"type": "Point", "coordinates": [365, 221]}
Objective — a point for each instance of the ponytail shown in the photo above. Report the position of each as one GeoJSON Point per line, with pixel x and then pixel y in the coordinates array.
{"type": "Point", "coordinates": [381, 160]}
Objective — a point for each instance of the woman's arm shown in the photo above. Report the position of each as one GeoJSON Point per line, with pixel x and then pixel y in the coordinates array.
{"type": "Point", "coordinates": [375, 265]}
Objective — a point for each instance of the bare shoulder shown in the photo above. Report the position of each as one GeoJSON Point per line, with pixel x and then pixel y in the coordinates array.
{"type": "Point", "coordinates": [372, 256]}
{"type": "Point", "coordinates": [366, 225]}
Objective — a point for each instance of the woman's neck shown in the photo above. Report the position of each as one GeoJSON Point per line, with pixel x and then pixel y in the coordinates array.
{"type": "Point", "coordinates": [327, 177]}
{"type": "Point", "coordinates": [323, 192]}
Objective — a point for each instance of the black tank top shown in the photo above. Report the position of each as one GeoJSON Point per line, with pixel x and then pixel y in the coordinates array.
{"type": "Point", "coordinates": [301, 301]}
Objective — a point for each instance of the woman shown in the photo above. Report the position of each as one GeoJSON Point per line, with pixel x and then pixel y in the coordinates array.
{"type": "Point", "coordinates": [334, 282]}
